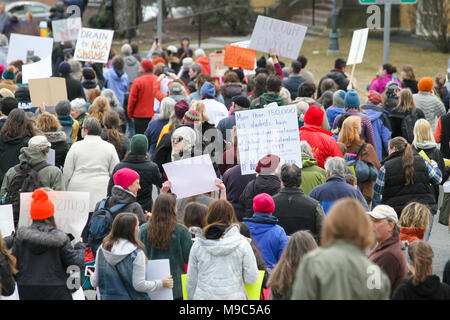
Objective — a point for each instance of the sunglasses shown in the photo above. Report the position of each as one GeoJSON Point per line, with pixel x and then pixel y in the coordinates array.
{"type": "Point", "coordinates": [177, 139]}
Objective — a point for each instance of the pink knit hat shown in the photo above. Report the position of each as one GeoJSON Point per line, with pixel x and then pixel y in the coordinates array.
{"type": "Point", "coordinates": [125, 177]}
{"type": "Point", "coordinates": [263, 203]}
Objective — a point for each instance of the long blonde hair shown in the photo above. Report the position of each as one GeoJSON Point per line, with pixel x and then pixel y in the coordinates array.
{"type": "Point", "coordinates": [350, 131]}
{"type": "Point", "coordinates": [12, 261]}
{"type": "Point", "coordinates": [99, 108]}
{"type": "Point", "coordinates": [415, 215]}
{"type": "Point", "coordinates": [422, 132]}
{"type": "Point", "coordinates": [201, 109]}
{"type": "Point", "coordinates": [405, 100]}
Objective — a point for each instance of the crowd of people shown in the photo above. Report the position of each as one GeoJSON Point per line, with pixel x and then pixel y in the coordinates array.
{"type": "Point", "coordinates": [352, 223]}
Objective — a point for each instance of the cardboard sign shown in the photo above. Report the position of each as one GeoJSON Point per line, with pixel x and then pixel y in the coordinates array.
{"type": "Point", "coordinates": [71, 210]}
{"type": "Point", "coordinates": [93, 45]}
{"type": "Point", "coordinates": [37, 70]}
{"type": "Point", "coordinates": [218, 67]}
{"type": "Point", "coordinates": [266, 131]}
{"type": "Point", "coordinates": [6, 220]}
{"type": "Point", "coordinates": [238, 57]}
{"type": "Point", "coordinates": [66, 29]}
{"type": "Point", "coordinates": [48, 91]}
{"type": "Point", "coordinates": [23, 47]}
{"type": "Point", "coordinates": [358, 46]}
{"type": "Point", "coordinates": [286, 37]}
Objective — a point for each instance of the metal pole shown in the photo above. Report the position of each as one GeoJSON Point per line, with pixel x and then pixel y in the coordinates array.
{"type": "Point", "coordinates": [333, 47]}
{"type": "Point", "coordinates": [160, 18]}
{"type": "Point", "coordinates": [387, 30]}
{"type": "Point", "coordinates": [313, 12]}
{"type": "Point", "coordinates": [199, 30]}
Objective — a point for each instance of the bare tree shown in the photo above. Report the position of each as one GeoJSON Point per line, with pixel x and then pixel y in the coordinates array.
{"type": "Point", "coordinates": [433, 21]}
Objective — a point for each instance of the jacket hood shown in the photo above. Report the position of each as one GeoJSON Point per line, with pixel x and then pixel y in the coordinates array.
{"type": "Point", "coordinates": [55, 136]}
{"type": "Point", "coordinates": [41, 237]}
{"type": "Point", "coordinates": [267, 98]}
{"type": "Point", "coordinates": [428, 287]}
{"type": "Point", "coordinates": [130, 61]}
{"type": "Point", "coordinates": [13, 140]}
{"type": "Point", "coordinates": [372, 113]}
{"type": "Point", "coordinates": [122, 195]}
{"type": "Point", "coordinates": [89, 84]}
{"type": "Point", "coordinates": [228, 243]}
{"type": "Point", "coordinates": [263, 218]}
{"type": "Point", "coordinates": [307, 161]}
{"type": "Point", "coordinates": [309, 101]}
{"type": "Point", "coordinates": [120, 250]}
{"type": "Point", "coordinates": [29, 157]}
{"type": "Point", "coordinates": [260, 223]}
{"type": "Point", "coordinates": [425, 145]}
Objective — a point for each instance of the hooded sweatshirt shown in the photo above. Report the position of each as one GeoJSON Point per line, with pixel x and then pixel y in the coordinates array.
{"type": "Point", "coordinates": [118, 82]}
{"type": "Point", "coordinates": [131, 67]}
{"type": "Point", "coordinates": [10, 150]}
{"type": "Point", "coordinates": [204, 62]}
{"type": "Point", "coordinates": [430, 289]}
{"type": "Point", "coordinates": [312, 175]}
{"type": "Point", "coordinates": [267, 98]}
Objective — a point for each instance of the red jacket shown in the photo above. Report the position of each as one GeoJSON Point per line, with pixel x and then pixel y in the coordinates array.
{"type": "Point", "coordinates": [321, 142]}
{"type": "Point", "coordinates": [204, 62]}
{"type": "Point", "coordinates": [142, 96]}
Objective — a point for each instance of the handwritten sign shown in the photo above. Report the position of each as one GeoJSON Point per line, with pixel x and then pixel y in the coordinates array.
{"type": "Point", "coordinates": [71, 210]}
{"type": "Point", "coordinates": [93, 45]}
{"type": "Point", "coordinates": [218, 67]}
{"type": "Point", "coordinates": [66, 29]}
{"type": "Point", "coordinates": [286, 37]}
{"type": "Point", "coordinates": [358, 46]}
{"type": "Point", "coordinates": [23, 47]}
{"type": "Point", "coordinates": [239, 57]}
{"type": "Point", "coordinates": [266, 131]}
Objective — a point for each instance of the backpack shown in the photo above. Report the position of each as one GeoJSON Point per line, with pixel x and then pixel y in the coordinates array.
{"type": "Point", "coordinates": [407, 125]}
{"type": "Point", "coordinates": [25, 180]}
{"type": "Point", "coordinates": [362, 170]}
{"type": "Point", "coordinates": [101, 223]}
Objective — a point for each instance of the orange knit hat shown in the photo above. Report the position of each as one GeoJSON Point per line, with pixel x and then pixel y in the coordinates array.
{"type": "Point", "coordinates": [41, 206]}
{"type": "Point", "coordinates": [425, 85]}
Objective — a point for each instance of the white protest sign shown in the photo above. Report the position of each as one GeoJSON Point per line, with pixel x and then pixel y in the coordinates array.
{"type": "Point", "coordinates": [158, 270]}
{"type": "Point", "coordinates": [93, 45]}
{"type": "Point", "coordinates": [358, 46]}
{"type": "Point", "coordinates": [51, 156]}
{"type": "Point", "coordinates": [286, 37]}
{"type": "Point", "coordinates": [191, 177]}
{"type": "Point", "coordinates": [37, 70]}
{"type": "Point", "coordinates": [6, 220]}
{"type": "Point", "coordinates": [23, 47]}
{"type": "Point", "coordinates": [268, 131]}
{"type": "Point", "coordinates": [71, 210]}
{"type": "Point", "coordinates": [66, 29]}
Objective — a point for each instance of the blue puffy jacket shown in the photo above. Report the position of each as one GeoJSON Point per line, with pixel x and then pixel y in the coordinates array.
{"type": "Point", "coordinates": [381, 127]}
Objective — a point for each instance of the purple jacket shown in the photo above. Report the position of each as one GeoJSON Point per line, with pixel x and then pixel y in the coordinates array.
{"type": "Point", "coordinates": [366, 126]}
{"type": "Point", "coordinates": [380, 84]}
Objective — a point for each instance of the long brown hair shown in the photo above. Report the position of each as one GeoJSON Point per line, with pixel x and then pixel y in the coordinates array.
{"type": "Point", "coordinates": [422, 255]}
{"type": "Point", "coordinates": [123, 227]}
{"type": "Point", "coordinates": [111, 122]}
{"type": "Point", "coordinates": [349, 133]}
{"type": "Point", "coordinates": [283, 276]}
{"type": "Point", "coordinates": [12, 261]}
{"type": "Point", "coordinates": [405, 100]}
{"type": "Point", "coordinates": [220, 212]}
{"type": "Point", "coordinates": [404, 147]}
{"type": "Point", "coordinates": [18, 124]}
{"type": "Point", "coordinates": [163, 222]}
{"type": "Point", "coordinates": [99, 108]}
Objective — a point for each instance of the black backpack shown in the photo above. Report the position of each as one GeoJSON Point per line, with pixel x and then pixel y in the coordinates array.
{"type": "Point", "coordinates": [407, 125]}
{"type": "Point", "coordinates": [101, 223]}
{"type": "Point", "coordinates": [25, 180]}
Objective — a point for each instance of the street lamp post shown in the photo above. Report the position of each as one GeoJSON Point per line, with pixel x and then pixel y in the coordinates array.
{"type": "Point", "coordinates": [333, 47]}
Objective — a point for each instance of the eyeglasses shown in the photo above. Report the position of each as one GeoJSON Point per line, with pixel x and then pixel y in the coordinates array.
{"type": "Point", "coordinates": [177, 139]}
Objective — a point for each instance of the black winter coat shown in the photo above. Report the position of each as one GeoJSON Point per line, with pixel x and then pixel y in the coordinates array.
{"type": "Point", "coordinates": [124, 144]}
{"type": "Point", "coordinates": [43, 255]}
{"type": "Point", "coordinates": [396, 118]}
{"type": "Point", "coordinates": [10, 151]}
{"type": "Point", "coordinates": [7, 284]}
{"type": "Point", "coordinates": [59, 144]}
{"type": "Point", "coordinates": [430, 289]}
{"type": "Point", "coordinates": [149, 175]}
{"type": "Point", "coordinates": [74, 88]}
{"type": "Point", "coordinates": [339, 77]}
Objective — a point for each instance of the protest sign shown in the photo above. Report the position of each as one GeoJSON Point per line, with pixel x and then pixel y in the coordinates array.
{"type": "Point", "coordinates": [47, 91]}
{"type": "Point", "coordinates": [71, 210]}
{"type": "Point", "coordinates": [66, 29]}
{"type": "Point", "coordinates": [266, 131]}
{"type": "Point", "coordinates": [157, 270]}
{"type": "Point", "coordinates": [51, 156]}
{"type": "Point", "coordinates": [358, 46]}
{"type": "Point", "coordinates": [182, 173]}
{"type": "Point", "coordinates": [286, 37]}
{"type": "Point", "coordinates": [218, 68]}
{"type": "Point", "coordinates": [37, 70]}
{"type": "Point", "coordinates": [23, 47]}
{"type": "Point", "coordinates": [6, 220]}
{"type": "Point", "coordinates": [93, 45]}
{"type": "Point", "coordinates": [239, 57]}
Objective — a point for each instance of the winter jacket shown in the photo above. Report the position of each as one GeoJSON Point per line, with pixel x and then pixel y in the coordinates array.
{"type": "Point", "coordinates": [292, 83]}
{"type": "Point", "coordinates": [7, 280]}
{"type": "Point", "coordinates": [269, 184]}
{"type": "Point", "coordinates": [267, 98]}
{"type": "Point", "coordinates": [59, 144]}
{"type": "Point", "coordinates": [149, 175]}
{"type": "Point", "coordinates": [381, 128]}
{"type": "Point", "coordinates": [118, 82]}
{"type": "Point", "coordinates": [431, 105]}
{"type": "Point", "coordinates": [178, 254]}
{"type": "Point", "coordinates": [124, 144]}
{"type": "Point", "coordinates": [227, 124]}
{"type": "Point", "coordinates": [339, 271]}
{"type": "Point", "coordinates": [204, 62]}
{"type": "Point", "coordinates": [321, 142]}
{"type": "Point", "coordinates": [219, 266]}
{"type": "Point", "coordinates": [10, 151]}
{"type": "Point", "coordinates": [430, 289]}
{"type": "Point", "coordinates": [129, 260]}
{"type": "Point", "coordinates": [338, 76]}
{"type": "Point", "coordinates": [43, 255]}
{"type": "Point", "coordinates": [74, 88]}
{"type": "Point", "coordinates": [335, 189]}
{"type": "Point", "coordinates": [235, 184]}
{"type": "Point", "coordinates": [89, 85]}
{"type": "Point", "coordinates": [411, 84]}
{"type": "Point", "coordinates": [13, 25]}
{"type": "Point", "coordinates": [296, 211]}
{"type": "Point", "coordinates": [142, 97]}
{"type": "Point", "coordinates": [67, 123]}
{"type": "Point", "coordinates": [131, 67]}
{"type": "Point", "coordinates": [389, 255]}
{"type": "Point", "coordinates": [269, 237]}
{"type": "Point", "coordinates": [333, 112]}
{"type": "Point", "coordinates": [380, 83]}
{"type": "Point", "coordinates": [396, 118]}
{"type": "Point", "coordinates": [312, 175]}
{"type": "Point", "coordinates": [230, 90]}
{"type": "Point", "coordinates": [152, 133]}
{"type": "Point", "coordinates": [302, 111]}
{"type": "Point", "coordinates": [411, 234]}
{"type": "Point", "coordinates": [196, 96]}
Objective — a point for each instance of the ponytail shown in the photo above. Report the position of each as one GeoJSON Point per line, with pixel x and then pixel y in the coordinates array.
{"type": "Point", "coordinates": [421, 255]}
{"type": "Point", "coordinates": [404, 147]}
{"type": "Point", "coordinates": [114, 137]}
{"type": "Point", "coordinates": [111, 121]}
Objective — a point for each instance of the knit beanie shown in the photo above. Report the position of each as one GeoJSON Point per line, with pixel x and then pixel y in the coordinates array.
{"type": "Point", "coordinates": [425, 85]}
{"type": "Point", "coordinates": [263, 203]}
{"type": "Point", "coordinates": [188, 135]}
{"type": "Point", "coordinates": [191, 116]}
{"type": "Point", "coordinates": [338, 98]}
{"type": "Point", "coordinates": [8, 74]}
{"type": "Point", "coordinates": [64, 68]}
{"type": "Point", "coordinates": [187, 63]}
{"type": "Point", "coordinates": [41, 207]}
{"type": "Point", "coordinates": [181, 107]}
{"type": "Point", "coordinates": [351, 99]}
{"type": "Point", "coordinates": [268, 164]}
{"type": "Point", "coordinates": [125, 177]}
{"type": "Point", "coordinates": [175, 88]}
{"type": "Point", "coordinates": [139, 144]}
{"type": "Point", "coordinates": [314, 116]}
{"type": "Point", "coordinates": [374, 97]}
{"type": "Point", "coordinates": [147, 65]}
{"type": "Point", "coordinates": [63, 108]}
{"type": "Point", "coordinates": [241, 101]}
{"type": "Point", "coordinates": [208, 89]}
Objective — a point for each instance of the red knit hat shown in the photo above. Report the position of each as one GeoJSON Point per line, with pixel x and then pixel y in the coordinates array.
{"type": "Point", "coordinates": [268, 164]}
{"type": "Point", "coordinates": [159, 60]}
{"type": "Point", "coordinates": [314, 116]}
{"type": "Point", "coordinates": [41, 207]}
{"type": "Point", "coordinates": [125, 177]}
{"type": "Point", "coordinates": [425, 85]}
{"type": "Point", "coordinates": [147, 65]}
{"type": "Point", "coordinates": [263, 203]}
{"type": "Point", "coordinates": [374, 97]}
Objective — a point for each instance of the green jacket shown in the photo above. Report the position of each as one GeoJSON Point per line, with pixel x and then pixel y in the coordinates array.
{"type": "Point", "coordinates": [339, 271]}
{"type": "Point", "coordinates": [178, 254]}
{"type": "Point", "coordinates": [50, 176]}
{"type": "Point", "coordinates": [267, 98]}
{"type": "Point", "coordinates": [312, 175]}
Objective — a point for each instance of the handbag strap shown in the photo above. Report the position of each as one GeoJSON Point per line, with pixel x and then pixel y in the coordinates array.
{"type": "Point", "coordinates": [358, 156]}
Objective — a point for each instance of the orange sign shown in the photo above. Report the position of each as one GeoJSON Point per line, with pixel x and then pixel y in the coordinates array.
{"type": "Point", "coordinates": [237, 57]}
